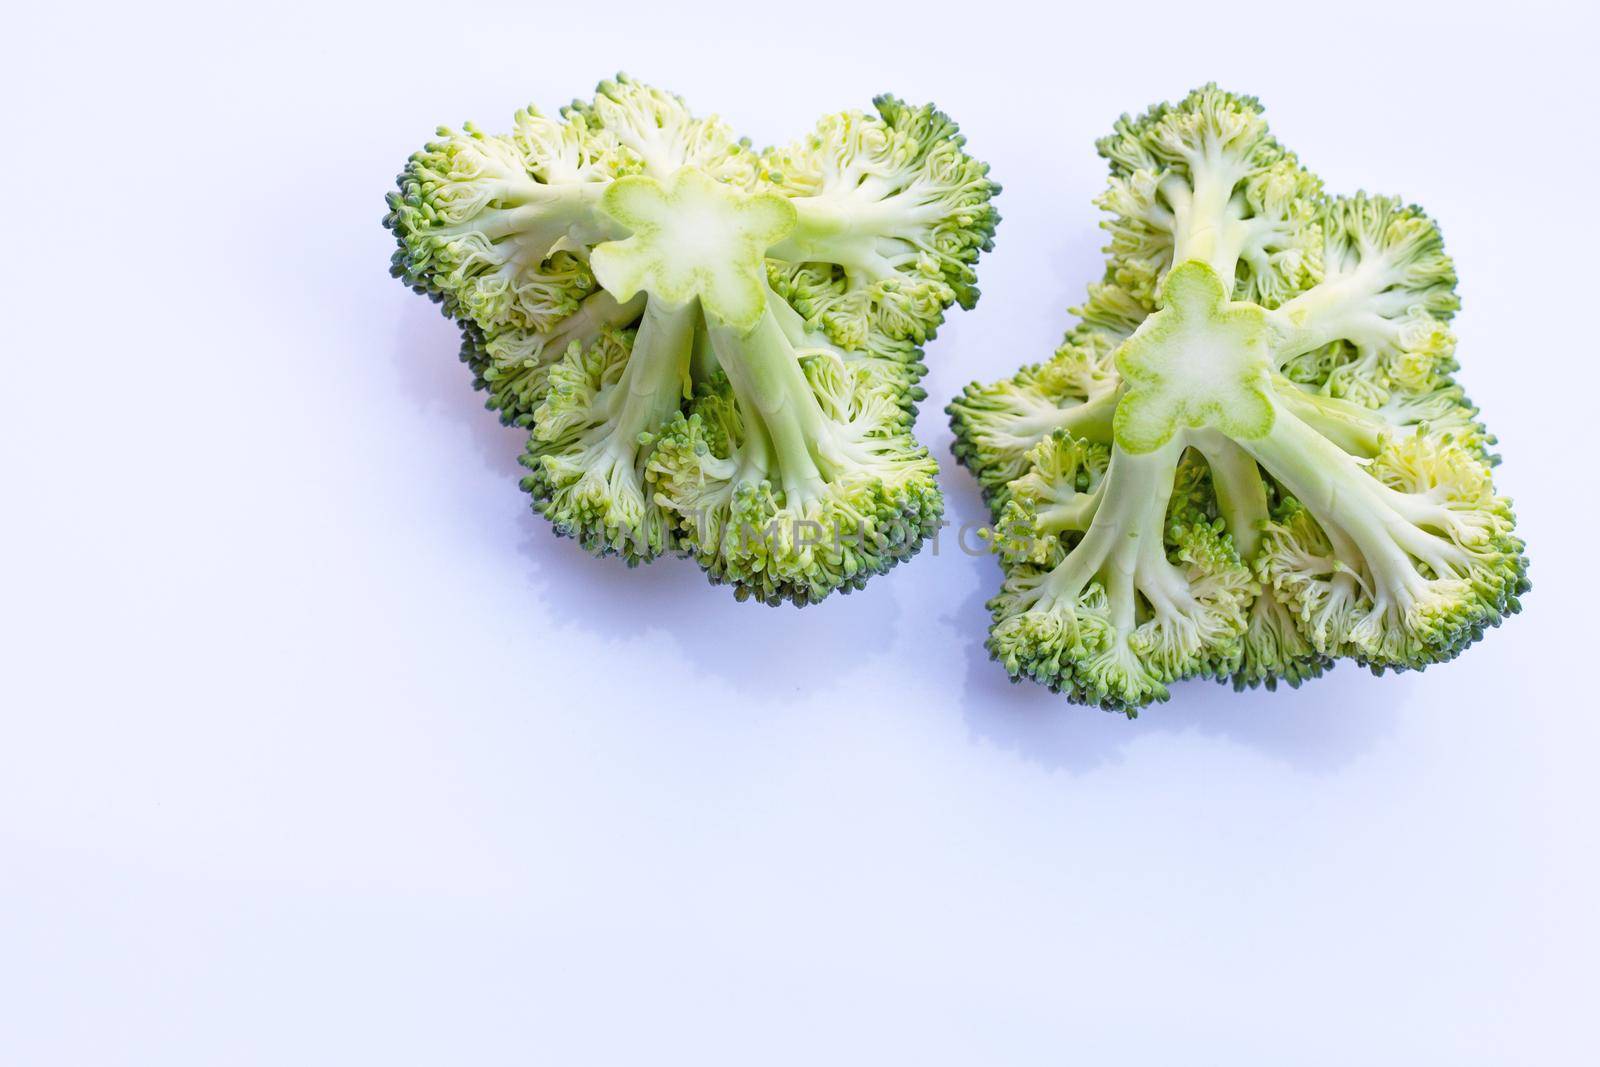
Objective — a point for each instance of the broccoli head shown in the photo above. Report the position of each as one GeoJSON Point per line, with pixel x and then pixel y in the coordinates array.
{"type": "Point", "coordinates": [715, 351]}
{"type": "Point", "coordinates": [1248, 459]}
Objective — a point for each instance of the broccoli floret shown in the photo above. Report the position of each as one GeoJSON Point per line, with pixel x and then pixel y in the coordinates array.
{"type": "Point", "coordinates": [891, 216]}
{"type": "Point", "coordinates": [715, 351]}
{"type": "Point", "coordinates": [1249, 458]}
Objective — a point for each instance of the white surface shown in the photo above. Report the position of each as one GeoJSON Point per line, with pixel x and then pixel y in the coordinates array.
{"type": "Point", "coordinates": [318, 748]}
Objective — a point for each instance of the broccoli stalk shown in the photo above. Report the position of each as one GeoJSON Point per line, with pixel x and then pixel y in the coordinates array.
{"type": "Point", "coordinates": [1419, 555]}
{"type": "Point", "coordinates": [598, 416]}
{"type": "Point", "coordinates": [812, 475]}
{"type": "Point", "coordinates": [517, 364]}
{"type": "Point", "coordinates": [1289, 476]}
{"type": "Point", "coordinates": [1116, 618]}
{"type": "Point", "coordinates": [1076, 392]}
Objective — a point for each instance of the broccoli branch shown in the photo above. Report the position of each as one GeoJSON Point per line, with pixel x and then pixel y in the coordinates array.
{"type": "Point", "coordinates": [1241, 494]}
{"type": "Point", "coordinates": [1116, 549]}
{"type": "Point", "coordinates": [520, 352]}
{"type": "Point", "coordinates": [1407, 571]}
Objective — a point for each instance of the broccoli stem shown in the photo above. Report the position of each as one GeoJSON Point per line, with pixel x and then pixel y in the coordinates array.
{"type": "Point", "coordinates": [1206, 222]}
{"type": "Point", "coordinates": [776, 403]}
{"type": "Point", "coordinates": [1090, 420]}
{"type": "Point", "coordinates": [1355, 306]}
{"type": "Point", "coordinates": [1072, 514]}
{"type": "Point", "coordinates": [605, 460]}
{"type": "Point", "coordinates": [1350, 426]}
{"type": "Point", "coordinates": [598, 311]}
{"type": "Point", "coordinates": [650, 389]}
{"type": "Point", "coordinates": [517, 352]}
{"type": "Point", "coordinates": [703, 363]}
{"type": "Point", "coordinates": [1346, 501]}
{"type": "Point", "coordinates": [859, 234]}
{"type": "Point", "coordinates": [794, 327]}
{"type": "Point", "coordinates": [539, 216]}
{"type": "Point", "coordinates": [1124, 551]}
{"type": "Point", "coordinates": [653, 384]}
{"type": "Point", "coordinates": [1132, 507]}
{"type": "Point", "coordinates": [1241, 494]}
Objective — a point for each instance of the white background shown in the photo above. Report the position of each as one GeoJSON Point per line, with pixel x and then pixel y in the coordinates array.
{"type": "Point", "coordinates": [318, 748]}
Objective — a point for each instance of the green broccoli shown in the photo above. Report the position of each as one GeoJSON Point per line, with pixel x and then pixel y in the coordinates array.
{"type": "Point", "coordinates": [1248, 458]}
{"type": "Point", "coordinates": [716, 351]}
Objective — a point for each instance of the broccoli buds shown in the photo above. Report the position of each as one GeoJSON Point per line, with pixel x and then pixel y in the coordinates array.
{"type": "Point", "coordinates": [1249, 458]}
{"type": "Point", "coordinates": [716, 351]}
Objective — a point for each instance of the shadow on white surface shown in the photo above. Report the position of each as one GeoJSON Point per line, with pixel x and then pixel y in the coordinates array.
{"type": "Point", "coordinates": [748, 646]}
{"type": "Point", "coordinates": [1321, 727]}
{"type": "Point", "coordinates": [430, 372]}
{"type": "Point", "coordinates": [716, 635]}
